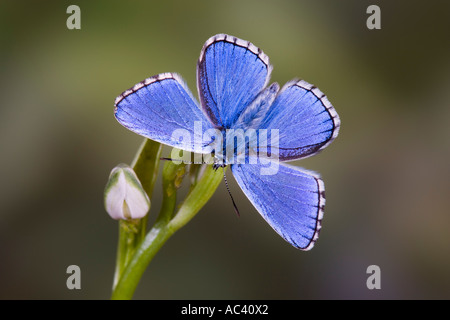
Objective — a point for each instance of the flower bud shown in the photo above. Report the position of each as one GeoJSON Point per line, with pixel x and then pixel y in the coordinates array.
{"type": "Point", "coordinates": [124, 196]}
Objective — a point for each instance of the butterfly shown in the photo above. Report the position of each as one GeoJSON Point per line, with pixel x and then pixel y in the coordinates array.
{"type": "Point", "coordinates": [232, 83]}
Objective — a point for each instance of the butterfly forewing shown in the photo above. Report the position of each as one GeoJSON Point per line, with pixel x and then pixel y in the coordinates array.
{"type": "Point", "coordinates": [230, 74]}
{"type": "Point", "coordinates": [158, 106]}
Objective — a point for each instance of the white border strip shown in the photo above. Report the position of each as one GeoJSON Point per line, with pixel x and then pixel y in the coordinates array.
{"type": "Point", "coordinates": [321, 208]}
{"type": "Point", "coordinates": [239, 42]}
{"type": "Point", "coordinates": [148, 81]}
{"type": "Point", "coordinates": [328, 106]}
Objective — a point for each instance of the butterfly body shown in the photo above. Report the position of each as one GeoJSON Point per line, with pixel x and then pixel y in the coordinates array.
{"type": "Point", "coordinates": [246, 124]}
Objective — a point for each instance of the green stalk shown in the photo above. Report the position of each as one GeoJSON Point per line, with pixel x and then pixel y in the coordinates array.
{"type": "Point", "coordinates": [132, 233]}
{"type": "Point", "coordinates": [165, 226]}
{"type": "Point", "coordinates": [145, 165]}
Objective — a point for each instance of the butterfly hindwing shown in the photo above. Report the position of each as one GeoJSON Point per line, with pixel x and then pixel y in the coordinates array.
{"type": "Point", "coordinates": [291, 201]}
{"type": "Point", "coordinates": [306, 120]}
{"type": "Point", "coordinates": [157, 106]}
{"type": "Point", "coordinates": [230, 74]}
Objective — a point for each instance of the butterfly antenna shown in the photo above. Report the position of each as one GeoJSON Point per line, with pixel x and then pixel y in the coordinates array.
{"type": "Point", "coordinates": [180, 160]}
{"type": "Point", "coordinates": [168, 159]}
{"type": "Point", "coordinates": [229, 192]}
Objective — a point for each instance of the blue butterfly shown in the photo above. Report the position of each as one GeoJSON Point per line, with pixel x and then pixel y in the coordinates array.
{"type": "Point", "coordinates": [232, 79]}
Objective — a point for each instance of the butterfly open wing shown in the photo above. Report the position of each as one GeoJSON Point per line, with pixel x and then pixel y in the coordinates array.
{"type": "Point", "coordinates": [231, 77]}
{"type": "Point", "coordinates": [306, 120]}
{"type": "Point", "coordinates": [230, 74]}
{"type": "Point", "coordinates": [291, 201]}
{"type": "Point", "coordinates": [157, 106]}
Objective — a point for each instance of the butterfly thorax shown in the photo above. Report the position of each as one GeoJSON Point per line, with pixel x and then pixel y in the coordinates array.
{"type": "Point", "coordinates": [232, 146]}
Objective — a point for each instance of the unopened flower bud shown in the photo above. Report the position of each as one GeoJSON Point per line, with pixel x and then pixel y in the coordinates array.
{"type": "Point", "coordinates": [124, 196]}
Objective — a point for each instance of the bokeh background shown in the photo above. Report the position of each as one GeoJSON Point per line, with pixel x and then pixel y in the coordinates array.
{"type": "Point", "coordinates": [387, 175]}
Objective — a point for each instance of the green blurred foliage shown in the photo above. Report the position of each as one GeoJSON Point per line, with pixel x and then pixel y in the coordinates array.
{"type": "Point", "coordinates": [387, 175]}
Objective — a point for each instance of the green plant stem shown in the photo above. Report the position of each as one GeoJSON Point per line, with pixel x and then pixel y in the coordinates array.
{"type": "Point", "coordinates": [122, 249]}
{"type": "Point", "coordinates": [164, 228]}
{"type": "Point", "coordinates": [132, 233]}
{"type": "Point", "coordinates": [145, 165]}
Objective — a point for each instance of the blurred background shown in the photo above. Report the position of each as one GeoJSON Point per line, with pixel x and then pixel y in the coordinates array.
{"type": "Point", "coordinates": [387, 175]}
